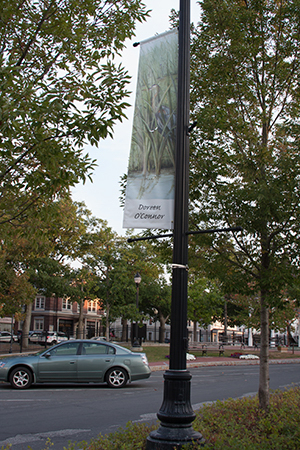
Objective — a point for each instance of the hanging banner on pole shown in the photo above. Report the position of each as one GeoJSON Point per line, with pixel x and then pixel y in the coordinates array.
{"type": "Point", "coordinates": [149, 200]}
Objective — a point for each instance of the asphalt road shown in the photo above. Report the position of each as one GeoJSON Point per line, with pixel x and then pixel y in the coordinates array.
{"type": "Point", "coordinates": [80, 412]}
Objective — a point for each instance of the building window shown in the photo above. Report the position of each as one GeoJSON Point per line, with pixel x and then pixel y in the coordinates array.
{"type": "Point", "coordinates": [66, 304]}
{"type": "Point", "coordinates": [40, 302]}
{"type": "Point", "coordinates": [38, 324]}
{"type": "Point", "coordinates": [92, 306]}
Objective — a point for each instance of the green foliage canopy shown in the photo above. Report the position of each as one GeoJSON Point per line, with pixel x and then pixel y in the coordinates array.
{"type": "Point", "coordinates": [60, 88]}
{"type": "Point", "coordinates": [246, 158]}
{"type": "Point", "coordinates": [32, 254]}
{"type": "Point", "coordinates": [205, 301]}
{"type": "Point", "coordinates": [245, 153]}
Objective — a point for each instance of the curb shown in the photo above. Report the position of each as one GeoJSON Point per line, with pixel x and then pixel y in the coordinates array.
{"type": "Point", "coordinates": [165, 366]}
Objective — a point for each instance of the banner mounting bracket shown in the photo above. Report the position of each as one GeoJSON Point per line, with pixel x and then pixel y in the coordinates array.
{"type": "Point", "coordinates": [160, 236]}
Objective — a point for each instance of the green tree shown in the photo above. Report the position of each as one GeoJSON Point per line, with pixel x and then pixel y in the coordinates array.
{"type": "Point", "coordinates": [97, 252]}
{"type": "Point", "coordinates": [205, 302]}
{"type": "Point", "coordinates": [60, 88]}
{"type": "Point", "coordinates": [114, 262]}
{"type": "Point", "coordinates": [245, 165]}
{"type": "Point", "coordinates": [32, 255]}
{"type": "Point", "coordinates": [156, 300]}
{"type": "Point", "coordinates": [154, 292]}
{"type": "Point", "coordinates": [83, 286]}
{"type": "Point", "coordinates": [46, 276]}
{"type": "Point", "coordinates": [15, 288]}
{"type": "Point", "coordinates": [230, 305]}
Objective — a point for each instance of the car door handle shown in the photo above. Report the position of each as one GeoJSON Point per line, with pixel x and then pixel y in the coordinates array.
{"type": "Point", "coordinates": [72, 362]}
{"type": "Point", "coordinates": [108, 360]}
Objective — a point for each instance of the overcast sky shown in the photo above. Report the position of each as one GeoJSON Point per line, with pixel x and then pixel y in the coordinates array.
{"type": "Point", "coordinates": [102, 196]}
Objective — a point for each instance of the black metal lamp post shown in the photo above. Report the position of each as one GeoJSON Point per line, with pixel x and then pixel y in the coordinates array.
{"type": "Point", "coordinates": [176, 413]}
{"type": "Point", "coordinates": [137, 279]}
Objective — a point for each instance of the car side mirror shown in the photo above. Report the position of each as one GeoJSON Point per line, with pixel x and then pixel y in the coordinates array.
{"type": "Point", "coordinates": [47, 355]}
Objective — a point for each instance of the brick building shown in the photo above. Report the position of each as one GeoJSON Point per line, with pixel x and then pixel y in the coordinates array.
{"type": "Point", "coordinates": [57, 314]}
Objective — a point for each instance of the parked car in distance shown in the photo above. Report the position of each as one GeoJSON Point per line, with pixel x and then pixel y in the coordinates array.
{"type": "Point", "coordinates": [34, 336]}
{"type": "Point", "coordinates": [76, 361]}
{"type": "Point", "coordinates": [5, 336]}
{"type": "Point", "coordinates": [98, 338]}
{"type": "Point", "coordinates": [52, 337]}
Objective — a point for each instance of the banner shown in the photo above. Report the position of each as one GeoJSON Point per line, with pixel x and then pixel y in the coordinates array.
{"type": "Point", "coordinates": [149, 200]}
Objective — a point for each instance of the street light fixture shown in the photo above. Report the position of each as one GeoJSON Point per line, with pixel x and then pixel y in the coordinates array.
{"type": "Point", "coordinates": [137, 279]}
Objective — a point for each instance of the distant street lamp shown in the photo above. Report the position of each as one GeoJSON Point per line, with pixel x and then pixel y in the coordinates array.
{"type": "Point", "coordinates": [137, 279]}
{"type": "Point", "coordinates": [155, 318]}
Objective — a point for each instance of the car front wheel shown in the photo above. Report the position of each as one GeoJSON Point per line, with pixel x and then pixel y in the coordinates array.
{"type": "Point", "coordinates": [20, 378]}
{"type": "Point", "coordinates": [116, 378]}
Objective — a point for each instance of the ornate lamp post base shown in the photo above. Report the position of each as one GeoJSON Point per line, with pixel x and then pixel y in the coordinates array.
{"type": "Point", "coordinates": [170, 439]}
{"type": "Point", "coordinates": [176, 414]}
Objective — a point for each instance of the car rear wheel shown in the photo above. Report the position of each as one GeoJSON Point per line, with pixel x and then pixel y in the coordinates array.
{"type": "Point", "coordinates": [20, 378]}
{"type": "Point", "coordinates": [116, 378]}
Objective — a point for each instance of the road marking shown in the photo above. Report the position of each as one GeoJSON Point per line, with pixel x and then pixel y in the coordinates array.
{"type": "Point", "coordinates": [146, 417]}
{"type": "Point", "coordinates": [288, 386]}
{"type": "Point", "coordinates": [153, 416]}
{"type": "Point", "coordinates": [195, 407]}
{"type": "Point", "coordinates": [23, 438]}
{"type": "Point", "coordinates": [25, 400]}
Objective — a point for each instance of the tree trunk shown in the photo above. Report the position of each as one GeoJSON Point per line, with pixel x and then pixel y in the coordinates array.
{"type": "Point", "coordinates": [263, 391]}
{"type": "Point", "coordinates": [225, 323]}
{"type": "Point", "coordinates": [107, 321]}
{"type": "Point", "coordinates": [124, 330]}
{"type": "Point", "coordinates": [26, 325]}
{"type": "Point", "coordinates": [162, 334]}
{"type": "Point", "coordinates": [80, 321]}
{"type": "Point", "coordinates": [195, 331]}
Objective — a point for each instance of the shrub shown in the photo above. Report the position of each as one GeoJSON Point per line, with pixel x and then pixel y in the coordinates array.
{"type": "Point", "coordinates": [227, 425]}
{"type": "Point", "coordinates": [240, 424]}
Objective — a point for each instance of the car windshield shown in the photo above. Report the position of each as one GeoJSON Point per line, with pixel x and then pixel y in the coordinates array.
{"type": "Point", "coordinates": [36, 353]}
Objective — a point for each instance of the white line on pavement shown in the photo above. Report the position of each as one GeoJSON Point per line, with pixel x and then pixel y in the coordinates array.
{"type": "Point", "coordinates": [23, 438]}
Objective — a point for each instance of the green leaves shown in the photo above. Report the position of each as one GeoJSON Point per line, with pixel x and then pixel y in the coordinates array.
{"type": "Point", "coordinates": [205, 301]}
{"type": "Point", "coordinates": [114, 262]}
{"type": "Point", "coordinates": [245, 163]}
{"type": "Point", "coordinates": [60, 89]}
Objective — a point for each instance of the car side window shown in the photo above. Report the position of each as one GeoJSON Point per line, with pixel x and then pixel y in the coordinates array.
{"type": "Point", "coordinates": [94, 348]}
{"type": "Point", "coordinates": [69, 348]}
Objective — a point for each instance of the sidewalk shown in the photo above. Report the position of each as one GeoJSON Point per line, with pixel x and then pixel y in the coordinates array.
{"type": "Point", "coordinates": [204, 361]}
{"type": "Point", "coordinates": [200, 361]}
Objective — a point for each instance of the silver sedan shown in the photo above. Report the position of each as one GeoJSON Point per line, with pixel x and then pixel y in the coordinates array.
{"type": "Point", "coordinates": [76, 361]}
